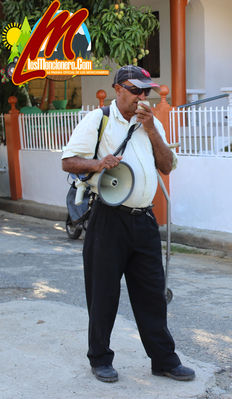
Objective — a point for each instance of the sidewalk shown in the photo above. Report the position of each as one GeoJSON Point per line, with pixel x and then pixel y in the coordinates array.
{"type": "Point", "coordinates": [45, 348]}
{"type": "Point", "coordinates": [44, 322]}
{"type": "Point", "coordinates": [219, 242]}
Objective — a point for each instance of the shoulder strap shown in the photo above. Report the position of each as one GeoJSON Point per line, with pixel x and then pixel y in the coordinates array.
{"type": "Point", "coordinates": [102, 126]}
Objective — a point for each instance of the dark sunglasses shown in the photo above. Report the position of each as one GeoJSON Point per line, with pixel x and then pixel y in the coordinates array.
{"type": "Point", "coordinates": [136, 90]}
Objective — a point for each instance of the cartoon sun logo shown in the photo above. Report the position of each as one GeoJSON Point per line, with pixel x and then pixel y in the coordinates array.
{"type": "Point", "coordinates": [11, 34]}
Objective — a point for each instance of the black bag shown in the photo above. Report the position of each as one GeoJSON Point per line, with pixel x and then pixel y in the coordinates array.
{"type": "Point", "coordinates": [78, 213]}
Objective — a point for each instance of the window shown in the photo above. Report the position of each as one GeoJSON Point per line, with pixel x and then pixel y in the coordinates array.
{"type": "Point", "coordinates": [151, 62]}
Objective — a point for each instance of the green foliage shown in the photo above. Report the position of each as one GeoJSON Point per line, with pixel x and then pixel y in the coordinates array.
{"type": "Point", "coordinates": [117, 29]}
{"type": "Point", "coordinates": [7, 89]}
{"type": "Point", "coordinates": [16, 11]}
{"type": "Point", "coordinates": [121, 32]}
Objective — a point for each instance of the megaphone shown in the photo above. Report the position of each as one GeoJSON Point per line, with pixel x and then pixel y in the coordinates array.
{"type": "Point", "coordinates": [114, 186]}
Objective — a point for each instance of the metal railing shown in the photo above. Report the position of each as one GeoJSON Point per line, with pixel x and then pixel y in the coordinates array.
{"type": "Point", "coordinates": [202, 131]}
{"type": "Point", "coordinates": [204, 100]}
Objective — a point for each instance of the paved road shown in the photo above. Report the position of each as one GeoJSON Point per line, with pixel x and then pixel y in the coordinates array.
{"type": "Point", "coordinates": [38, 262]}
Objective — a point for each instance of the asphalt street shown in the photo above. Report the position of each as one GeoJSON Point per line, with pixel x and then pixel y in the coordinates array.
{"type": "Point", "coordinates": [39, 264]}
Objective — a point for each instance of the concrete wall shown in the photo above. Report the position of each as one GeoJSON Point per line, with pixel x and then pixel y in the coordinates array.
{"type": "Point", "coordinates": [43, 180]}
{"type": "Point", "coordinates": [218, 55]}
{"type": "Point", "coordinates": [4, 177]}
{"type": "Point", "coordinates": [208, 44]}
{"type": "Point", "coordinates": [195, 45]}
{"type": "Point", "coordinates": [201, 193]}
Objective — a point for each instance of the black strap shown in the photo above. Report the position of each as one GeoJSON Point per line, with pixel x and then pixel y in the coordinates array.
{"type": "Point", "coordinates": [106, 112]}
{"type": "Point", "coordinates": [122, 146]}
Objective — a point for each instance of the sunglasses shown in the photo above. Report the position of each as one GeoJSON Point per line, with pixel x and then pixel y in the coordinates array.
{"type": "Point", "coordinates": [136, 90]}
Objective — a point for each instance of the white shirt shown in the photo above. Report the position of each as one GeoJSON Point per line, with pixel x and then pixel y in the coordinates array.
{"type": "Point", "coordinates": [138, 153]}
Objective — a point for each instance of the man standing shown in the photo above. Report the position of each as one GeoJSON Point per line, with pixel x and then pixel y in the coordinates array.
{"type": "Point", "coordinates": [125, 239]}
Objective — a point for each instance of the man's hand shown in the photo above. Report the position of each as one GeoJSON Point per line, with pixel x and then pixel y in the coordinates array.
{"type": "Point", "coordinates": [163, 155]}
{"type": "Point", "coordinates": [108, 162]}
{"type": "Point", "coordinates": [80, 165]}
{"type": "Point", "coordinates": [145, 116]}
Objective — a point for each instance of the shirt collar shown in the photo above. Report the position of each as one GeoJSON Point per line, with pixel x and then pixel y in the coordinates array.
{"type": "Point", "coordinates": [118, 115]}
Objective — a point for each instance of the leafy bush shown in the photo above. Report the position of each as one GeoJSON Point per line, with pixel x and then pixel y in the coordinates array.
{"type": "Point", "coordinates": [121, 32]}
{"type": "Point", "coordinates": [7, 89]}
{"type": "Point", "coordinates": [117, 29]}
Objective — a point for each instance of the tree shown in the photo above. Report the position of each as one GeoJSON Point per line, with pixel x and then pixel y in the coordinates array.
{"type": "Point", "coordinates": [121, 32]}
{"type": "Point", "coordinates": [118, 30]}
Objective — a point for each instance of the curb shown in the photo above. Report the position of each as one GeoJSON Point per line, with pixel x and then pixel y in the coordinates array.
{"type": "Point", "coordinates": [217, 241]}
{"type": "Point", "coordinates": [35, 209]}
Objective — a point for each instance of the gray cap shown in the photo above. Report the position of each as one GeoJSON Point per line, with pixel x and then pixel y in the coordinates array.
{"type": "Point", "coordinates": [139, 77]}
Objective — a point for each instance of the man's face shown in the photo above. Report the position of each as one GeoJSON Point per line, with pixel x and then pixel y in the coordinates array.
{"type": "Point", "coordinates": [127, 101]}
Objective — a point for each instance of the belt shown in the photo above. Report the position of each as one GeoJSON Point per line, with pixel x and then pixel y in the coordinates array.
{"type": "Point", "coordinates": [133, 211]}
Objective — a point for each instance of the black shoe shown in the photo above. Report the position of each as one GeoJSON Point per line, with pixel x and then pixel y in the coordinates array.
{"type": "Point", "coordinates": [105, 373]}
{"type": "Point", "coordinates": [180, 373]}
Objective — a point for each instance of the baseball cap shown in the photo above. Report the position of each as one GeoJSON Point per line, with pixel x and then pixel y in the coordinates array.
{"type": "Point", "coordinates": [139, 77]}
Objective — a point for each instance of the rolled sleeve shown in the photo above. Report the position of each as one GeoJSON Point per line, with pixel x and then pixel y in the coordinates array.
{"type": "Point", "coordinates": [84, 137]}
{"type": "Point", "coordinates": [161, 131]}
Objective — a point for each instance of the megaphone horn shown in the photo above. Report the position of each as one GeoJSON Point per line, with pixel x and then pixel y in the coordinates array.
{"type": "Point", "coordinates": [114, 186]}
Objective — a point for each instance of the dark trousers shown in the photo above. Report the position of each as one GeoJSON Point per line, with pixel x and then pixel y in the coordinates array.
{"type": "Point", "coordinates": [117, 242]}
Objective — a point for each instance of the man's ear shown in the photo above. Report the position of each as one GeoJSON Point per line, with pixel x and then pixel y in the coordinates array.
{"type": "Point", "coordinates": [117, 88]}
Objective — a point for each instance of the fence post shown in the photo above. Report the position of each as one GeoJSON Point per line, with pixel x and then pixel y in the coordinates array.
{"type": "Point", "coordinates": [228, 90]}
{"type": "Point", "coordinates": [13, 147]}
{"type": "Point", "coordinates": [101, 95]}
{"type": "Point", "coordinates": [161, 112]}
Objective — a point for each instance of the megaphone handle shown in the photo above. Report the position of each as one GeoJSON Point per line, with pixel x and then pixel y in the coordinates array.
{"type": "Point", "coordinates": [83, 179]}
{"type": "Point", "coordinates": [80, 193]}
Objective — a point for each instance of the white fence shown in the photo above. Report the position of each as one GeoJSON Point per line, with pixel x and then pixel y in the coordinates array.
{"type": "Point", "coordinates": [46, 131]}
{"type": "Point", "coordinates": [50, 131]}
{"type": "Point", "coordinates": [202, 131]}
